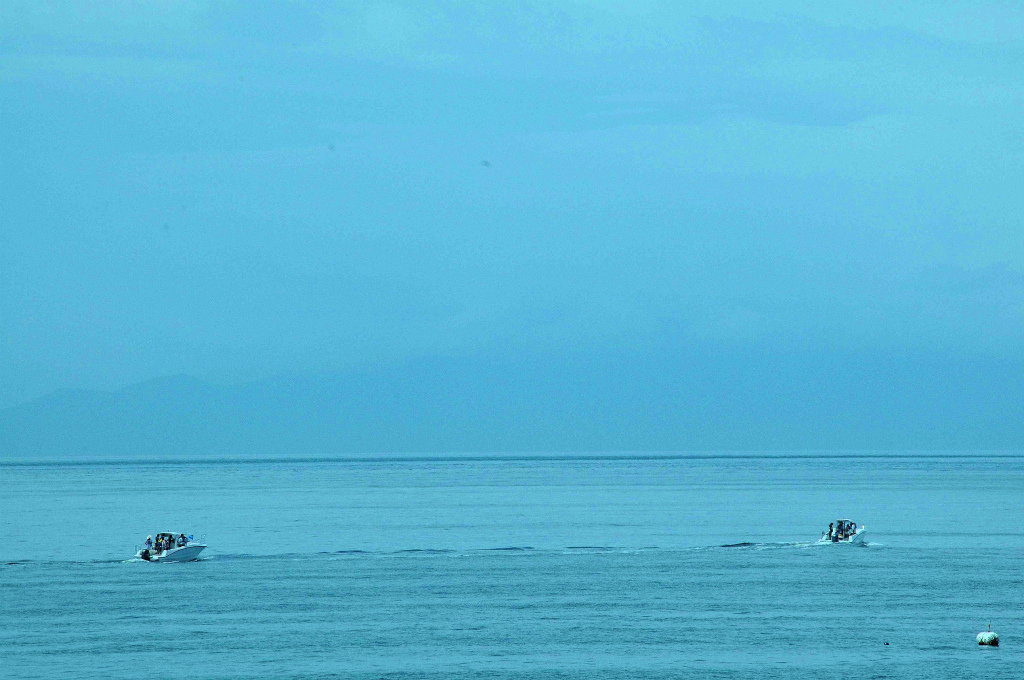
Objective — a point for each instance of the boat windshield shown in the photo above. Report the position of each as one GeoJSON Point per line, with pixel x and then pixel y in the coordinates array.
{"type": "Point", "coordinates": [840, 530]}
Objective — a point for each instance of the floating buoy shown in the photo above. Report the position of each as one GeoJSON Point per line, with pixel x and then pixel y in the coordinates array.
{"type": "Point", "coordinates": [988, 638]}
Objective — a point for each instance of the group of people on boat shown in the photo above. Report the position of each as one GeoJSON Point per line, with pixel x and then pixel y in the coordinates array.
{"type": "Point", "coordinates": [165, 542]}
{"type": "Point", "coordinates": [843, 532]}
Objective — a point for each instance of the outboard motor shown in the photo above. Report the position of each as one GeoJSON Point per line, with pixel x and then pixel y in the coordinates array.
{"type": "Point", "coordinates": [145, 554]}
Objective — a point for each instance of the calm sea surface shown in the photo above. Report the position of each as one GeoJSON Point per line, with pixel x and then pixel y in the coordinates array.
{"type": "Point", "coordinates": [528, 567]}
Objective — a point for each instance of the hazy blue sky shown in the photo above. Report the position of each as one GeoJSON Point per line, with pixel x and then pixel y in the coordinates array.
{"type": "Point", "coordinates": [234, 190]}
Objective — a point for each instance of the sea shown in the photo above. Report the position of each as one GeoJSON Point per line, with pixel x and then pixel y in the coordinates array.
{"type": "Point", "coordinates": [516, 566]}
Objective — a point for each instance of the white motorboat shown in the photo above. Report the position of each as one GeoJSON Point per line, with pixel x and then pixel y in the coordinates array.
{"type": "Point", "coordinates": [179, 548]}
{"type": "Point", "coordinates": [843, 531]}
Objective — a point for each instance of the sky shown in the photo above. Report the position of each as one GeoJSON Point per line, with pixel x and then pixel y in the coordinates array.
{"type": "Point", "coordinates": [235, 191]}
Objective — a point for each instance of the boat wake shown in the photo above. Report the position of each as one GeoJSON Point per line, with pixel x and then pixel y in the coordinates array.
{"type": "Point", "coordinates": [452, 552]}
{"type": "Point", "coordinates": [748, 545]}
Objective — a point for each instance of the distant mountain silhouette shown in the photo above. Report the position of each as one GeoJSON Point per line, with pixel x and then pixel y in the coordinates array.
{"type": "Point", "coordinates": [656, 399]}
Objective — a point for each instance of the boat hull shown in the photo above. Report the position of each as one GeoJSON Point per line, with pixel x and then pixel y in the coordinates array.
{"type": "Point", "coordinates": [856, 539]}
{"type": "Point", "coordinates": [185, 553]}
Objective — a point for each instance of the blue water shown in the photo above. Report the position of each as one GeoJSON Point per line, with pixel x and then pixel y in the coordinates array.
{"type": "Point", "coordinates": [506, 567]}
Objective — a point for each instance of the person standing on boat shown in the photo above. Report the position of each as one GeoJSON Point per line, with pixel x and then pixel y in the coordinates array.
{"type": "Point", "coordinates": [182, 540]}
{"type": "Point", "coordinates": [830, 525]}
{"type": "Point", "coordinates": [149, 542]}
